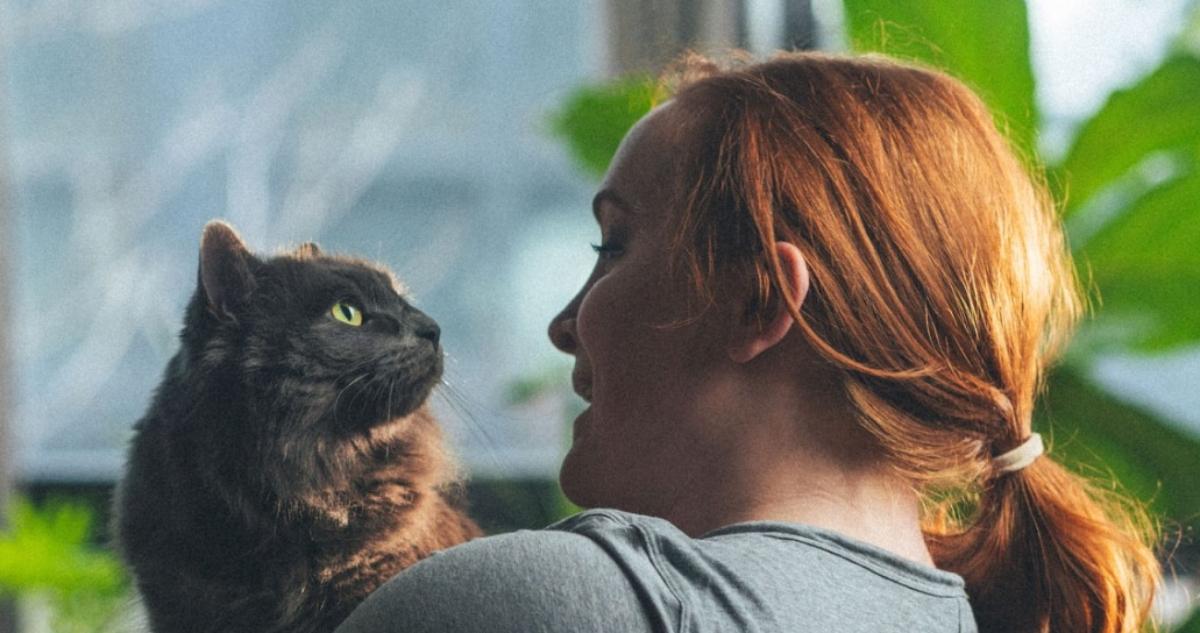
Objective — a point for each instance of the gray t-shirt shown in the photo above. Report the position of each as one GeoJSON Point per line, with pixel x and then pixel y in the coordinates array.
{"type": "Point", "coordinates": [611, 571]}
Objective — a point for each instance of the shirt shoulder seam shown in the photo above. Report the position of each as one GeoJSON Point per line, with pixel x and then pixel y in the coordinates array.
{"type": "Point", "coordinates": [656, 560]}
{"type": "Point", "coordinates": [653, 554]}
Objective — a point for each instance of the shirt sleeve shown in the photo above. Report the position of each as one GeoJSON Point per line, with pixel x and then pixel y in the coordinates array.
{"type": "Point", "coordinates": [528, 581]}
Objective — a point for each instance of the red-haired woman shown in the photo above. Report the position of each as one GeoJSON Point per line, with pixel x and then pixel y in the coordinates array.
{"type": "Point", "coordinates": [825, 299]}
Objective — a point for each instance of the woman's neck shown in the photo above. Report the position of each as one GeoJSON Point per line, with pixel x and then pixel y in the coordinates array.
{"type": "Point", "coordinates": [797, 455]}
{"type": "Point", "coordinates": [870, 507]}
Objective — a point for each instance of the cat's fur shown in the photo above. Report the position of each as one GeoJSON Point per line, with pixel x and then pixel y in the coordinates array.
{"type": "Point", "coordinates": [288, 464]}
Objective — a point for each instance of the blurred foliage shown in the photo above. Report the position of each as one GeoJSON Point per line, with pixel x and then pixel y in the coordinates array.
{"type": "Point", "coordinates": [504, 505]}
{"type": "Point", "coordinates": [594, 119]}
{"type": "Point", "coordinates": [47, 548]}
{"type": "Point", "coordinates": [965, 38]}
{"type": "Point", "coordinates": [527, 388]}
{"type": "Point", "coordinates": [546, 504]}
{"type": "Point", "coordinates": [46, 556]}
{"type": "Point", "coordinates": [1192, 625]}
{"type": "Point", "coordinates": [1130, 183]}
{"type": "Point", "coordinates": [1160, 113]}
{"type": "Point", "coordinates": [1152, 461]}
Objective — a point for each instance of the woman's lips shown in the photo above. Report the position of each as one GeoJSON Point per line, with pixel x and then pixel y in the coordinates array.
{"type": "Point", "coordinates": [582, 387]}
{"type": "Point", "coordinates": [580, 428]}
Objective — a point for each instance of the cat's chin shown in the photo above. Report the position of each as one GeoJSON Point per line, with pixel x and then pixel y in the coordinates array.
{"type": "Point", "coordinates": [387, 399]}
{"type": "Point", "coordinates": [408, 406]}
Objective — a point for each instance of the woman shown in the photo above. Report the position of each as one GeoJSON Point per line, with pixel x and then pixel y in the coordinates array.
{"type": "Point", "coordinates": [825, 299]}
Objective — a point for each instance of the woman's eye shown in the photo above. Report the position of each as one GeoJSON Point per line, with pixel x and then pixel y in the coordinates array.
{"type": "Point", "coordinates": [606, 250]}
{"type": "Point", "coordinates": [347, 313]}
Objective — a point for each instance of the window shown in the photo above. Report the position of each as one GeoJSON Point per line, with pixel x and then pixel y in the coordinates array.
{"type": "Point", "coordinates": [408, 132]}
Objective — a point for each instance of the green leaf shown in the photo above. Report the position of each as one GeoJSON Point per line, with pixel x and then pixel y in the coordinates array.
{"type": "Point", "coordinates": [1160, 113]}
{"type": "Point", "coordinates": [1191, 625]}
{"type": "Point", "coordinates": [595, 118]}
{"type": "Point", "coordinates": [1104, 438]}
{"type": "Point", "coordinates": [985, 43]}
{"type": "Point", "coordinates": [1145, 263]}
{"type": "Point", "coordinates": [46, 549]}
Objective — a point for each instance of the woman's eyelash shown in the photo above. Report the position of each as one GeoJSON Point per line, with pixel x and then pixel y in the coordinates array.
{"type": "Point", "coordinates": [606, 249]}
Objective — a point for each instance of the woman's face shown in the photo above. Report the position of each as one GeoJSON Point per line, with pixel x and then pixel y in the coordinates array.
{"type": "Point", "coordinates": [639, 360]}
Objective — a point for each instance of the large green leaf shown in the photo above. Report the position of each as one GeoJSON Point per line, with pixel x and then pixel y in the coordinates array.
{"type": "Point", "coordinates": [1103, 437]}
{"type": "Point", "coordinates": [1145, 262]}
{"type": "Point", "coordinates": [1159, 113]}
{"type": "Point", "coordinates": [595, 118]}
{"type": "Point", "coordinates": [983, 42]}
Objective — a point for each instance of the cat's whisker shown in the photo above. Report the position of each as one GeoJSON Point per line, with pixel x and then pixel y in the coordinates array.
{"type": "Point", "coordinates": [489, 442]}
{"type": "Point", "coordinates": [364, 392]}
{"type": "Point", "coordinates": [356, 367]}
{"type": "Point", "coordinates": [462, 408]}
{"type": "Point", "coordinates": [338, 398]}
{"type": "Point", "coordinates": [391, 386]}
{"type": "Point", "coordinates": [456, 396]}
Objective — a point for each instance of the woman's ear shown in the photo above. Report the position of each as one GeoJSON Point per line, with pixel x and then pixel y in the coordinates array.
{"type": "Point", "coordinates": [752, 336]}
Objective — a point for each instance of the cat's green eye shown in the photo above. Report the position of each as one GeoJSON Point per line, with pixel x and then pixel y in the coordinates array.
{"type": "Point", "coordinates": [346, 313]}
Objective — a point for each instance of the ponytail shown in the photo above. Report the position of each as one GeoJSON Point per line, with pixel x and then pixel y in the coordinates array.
{"type": "Point", "coordinates": [1048, 552]}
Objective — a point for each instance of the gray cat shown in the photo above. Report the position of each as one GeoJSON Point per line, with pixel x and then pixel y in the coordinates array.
{"type": "Point", "coordinates": [288, 464]}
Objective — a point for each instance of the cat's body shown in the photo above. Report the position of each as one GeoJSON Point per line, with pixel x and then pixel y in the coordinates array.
{"type": "Point", "coordinates": [288, 464]}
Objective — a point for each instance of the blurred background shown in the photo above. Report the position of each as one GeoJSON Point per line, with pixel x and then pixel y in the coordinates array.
{"type": "Point", "coordinates": [459, 143]}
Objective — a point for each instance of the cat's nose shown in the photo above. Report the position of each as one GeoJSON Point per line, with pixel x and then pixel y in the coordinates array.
{"type": "Point", "coordinates": [429, 331]}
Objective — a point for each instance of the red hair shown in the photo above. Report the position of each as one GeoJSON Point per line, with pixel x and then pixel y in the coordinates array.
{"type": "Point", "coordinates": [942, 288]}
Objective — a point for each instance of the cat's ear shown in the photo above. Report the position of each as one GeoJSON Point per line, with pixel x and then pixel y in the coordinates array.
{"type": "Point", "coordinates": [308, 249]}
{"type": "Point", "coordinates": [225, 273]}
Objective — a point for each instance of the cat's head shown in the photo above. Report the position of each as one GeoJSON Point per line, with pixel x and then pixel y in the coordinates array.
{"type": "Point", "coordinates": [314, 342]}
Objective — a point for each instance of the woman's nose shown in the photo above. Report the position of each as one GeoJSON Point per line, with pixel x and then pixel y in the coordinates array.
{"type": "Point", "coordinates": [562, 332]}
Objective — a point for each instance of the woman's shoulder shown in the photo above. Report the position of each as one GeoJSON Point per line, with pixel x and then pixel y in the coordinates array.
{"type": "Point", "coordinates": [608, 570]}
{"type": "Point", "coordinates": [797, 577]}
{"type": "Point", "coordinates": [559, 578]}
{"type": "Point", "coordinates": [757, 546]}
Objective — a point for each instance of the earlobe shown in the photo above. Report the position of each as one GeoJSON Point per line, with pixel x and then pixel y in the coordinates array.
{"type": "Point", "coordinates": [756, 335]}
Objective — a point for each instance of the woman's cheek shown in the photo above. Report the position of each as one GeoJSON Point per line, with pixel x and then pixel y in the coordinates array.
{"type": "Point", "coordinates": [595, 317]}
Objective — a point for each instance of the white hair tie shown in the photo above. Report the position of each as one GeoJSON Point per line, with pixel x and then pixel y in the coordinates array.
{"type": "Point", "coordinates": [1021, 456]}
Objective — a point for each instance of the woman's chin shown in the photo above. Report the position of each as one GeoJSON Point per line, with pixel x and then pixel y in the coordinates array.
{"type": "Point", "coordinates": [574, 480]}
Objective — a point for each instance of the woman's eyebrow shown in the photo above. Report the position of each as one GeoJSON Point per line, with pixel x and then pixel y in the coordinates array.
{"type": "Point", "coordinates": [610, 196]}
